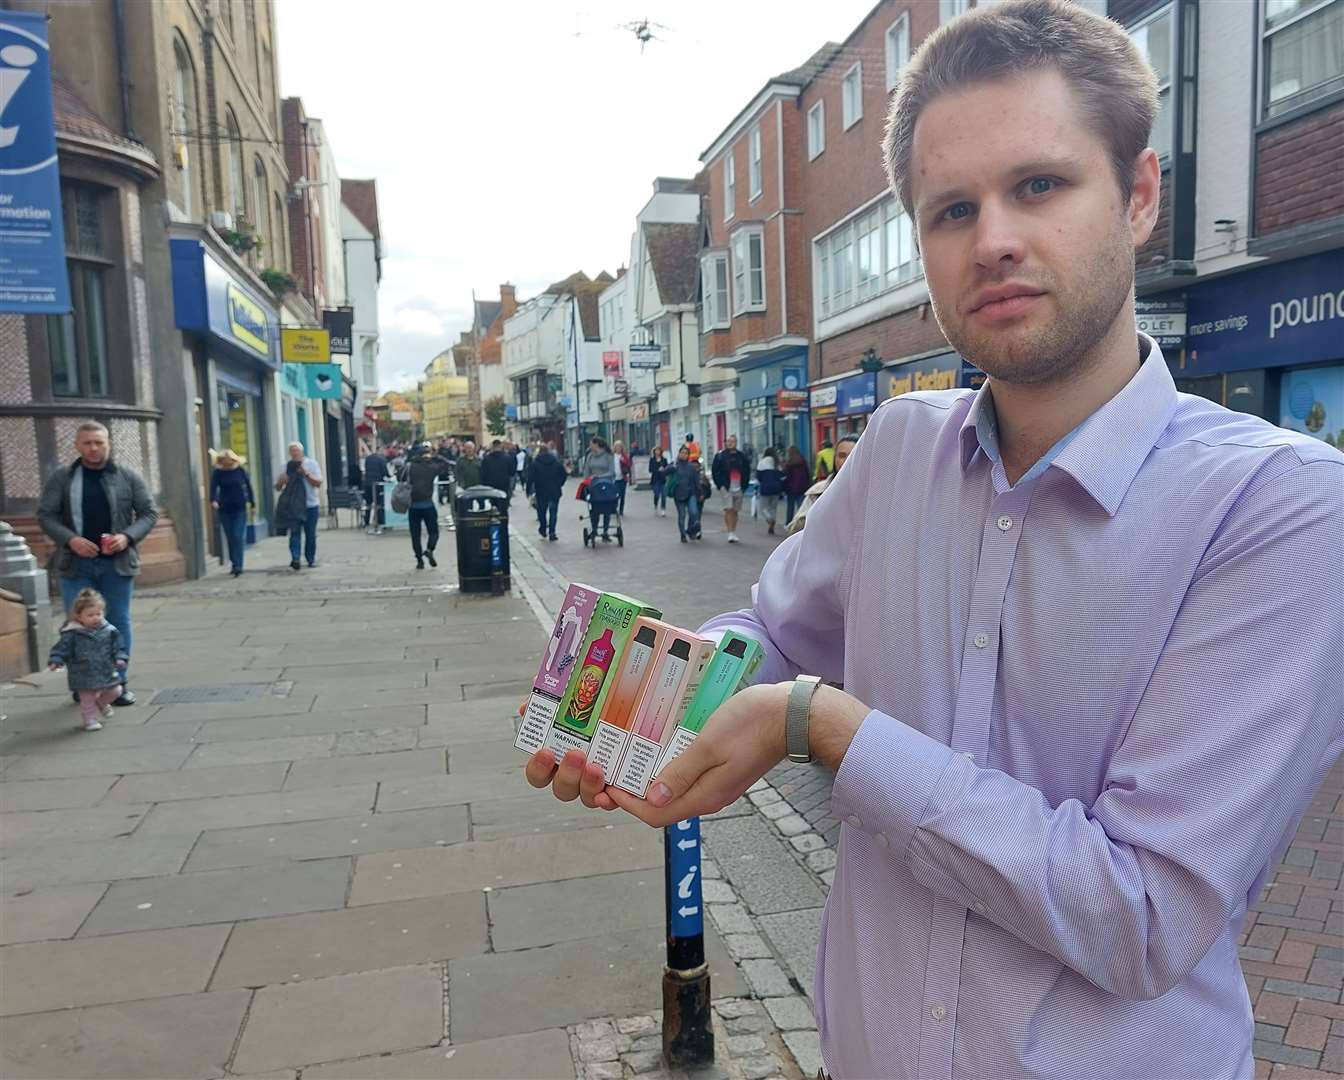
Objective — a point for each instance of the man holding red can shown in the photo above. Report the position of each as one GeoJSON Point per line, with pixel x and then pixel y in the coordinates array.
{"type": "Point", "coordinates": [97, 511]}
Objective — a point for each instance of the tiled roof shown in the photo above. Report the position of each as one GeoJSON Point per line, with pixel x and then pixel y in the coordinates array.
{"type": "Point", "coordinates": [74, 115]}
{"type": "Point", "coordinates": [487, 311]}
{"type": "Point", "coordinates": [674, 254]}
{"type": "Point", "coordinates": [362, 198]}
{"type": "Point", "coordinates": [813, 66]}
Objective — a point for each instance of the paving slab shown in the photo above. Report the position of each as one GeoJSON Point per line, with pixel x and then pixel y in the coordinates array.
{"type": "Point", "coordinates": [92, 860]}
{"type": "Point", "coordinates": [172, 673]}
{"type": "Point", "coordinates": [181, 1037]}
{"type": "Point", "coordinates": [70, 738]}
{"type": "Point", "coordinates": [95, 971]}
{"type": "Point", "coordinates": [198, 783]}
{"type": "Point", "coordinates": [334, 681]}
{"type": "Point", "coordinates": [354, 696]}
{"type": "Point", "coordinates": [526, 816]}
{"type": "Point", "coordinates": [359, 768]}
{"type": "Point", "coordinates": [255, 751]}
{"type": "Point", "coordinates": [46, 914]}
{"type": "Point", "coordinates": [345, 671]}
{"type": "Point", "coordinates": [342, 1017]}
{"type": "Point", "coordinates": [795, 936]}
{"type": "Point", "coordinates": [220, 896]}
{"type": "Point", "coordinates": [267, 951]}
{"type": "Point", "coordinates": [445, 790]}
{"type": "Point", "coordinates": [337, 721]}
{"type": "Point", "coordinates": [520, 860]}
{"type": "Point", "coordinates": [18, 795]}
{"type": "Point", "coordinates": [485, 756]}
{"type": "Point", "coordinates": [616, 975]}
{"type": "Point", "coordinates": [381, 741]}
{"type": "Point", "coordinates": [257, 844]}
{"type": "Point", "coordinates": [239, 811]}
{"type": "Point", "coordinates": [530, 915]}
{"type": "Point", "coordinates": [26, 827]}
{"type": "Point", "coordinates": [142, 759]}
{"type": "Point", "coordinates": [272, 705]}
{"type": "Point", "coordinates": [462, 730]}
{"type": "Point", "coordinates": [762, 870]}
{"type": "Point", "coordinates": [537, 1055]}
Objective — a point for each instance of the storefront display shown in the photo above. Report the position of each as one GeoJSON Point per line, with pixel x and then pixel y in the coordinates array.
{"type": "Point", "coordinates": [1311, 400]}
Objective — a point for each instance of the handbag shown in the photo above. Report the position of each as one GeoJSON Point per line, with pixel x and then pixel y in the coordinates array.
{"type": "Point", "coordinates": [670, 486]}
{"type": "Point", "coordinates": [251, 537]}
{"type": "Point", "coordinates": [401, 497]}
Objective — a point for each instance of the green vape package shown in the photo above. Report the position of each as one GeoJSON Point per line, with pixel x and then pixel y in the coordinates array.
{"type": "Point", "coordinates": [733, 665]}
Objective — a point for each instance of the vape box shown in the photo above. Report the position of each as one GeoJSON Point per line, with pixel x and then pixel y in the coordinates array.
{"type": "Point", "coordinates": [557, 665]}
{"type": "Point", "coordinates": [680, 666]}
{"type": "Point", "coordinates": [731, 668]}
{"type": "Point", "coordinates": [618, 712]}
{"type": "Point", "coordinates": [609, 632]}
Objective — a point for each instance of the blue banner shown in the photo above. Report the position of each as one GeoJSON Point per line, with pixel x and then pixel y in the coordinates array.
{"type": "Point", "coordinates": [684, 904]}
{"type": "Point", "coordinates": [33, 276]}
{"type": "Point", "coordinates": [857, 394]}
{"type": "Point", "coordinates": [321, 381]}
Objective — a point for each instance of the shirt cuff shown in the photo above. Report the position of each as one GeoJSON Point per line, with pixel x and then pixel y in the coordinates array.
{"type": "Point", "coordinates": [886, 779]}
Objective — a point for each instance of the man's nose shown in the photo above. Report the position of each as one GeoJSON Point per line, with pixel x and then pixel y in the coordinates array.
{"type": "Point", "coordinates": [999, 237]}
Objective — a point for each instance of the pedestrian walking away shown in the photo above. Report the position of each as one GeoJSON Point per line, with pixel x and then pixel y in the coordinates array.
{"type": "Point", "coordinates": [1116, 690]}
{"type": "Point", "coordinates": [231, 496]}
{"type": "Point", "coordinates": [421, 472]}
{"type": "Point", "coordinates": [730, 470]}
{"type": "Point", "coordinates": [302, 476]}
{"type": "Point", "coordinates": [770, 485]}
{"type": "Point", "coordinates": [684, 480]}
{"type": "Point", "coordinates": [91, 651]}
{"type": "Point", "coordinates": [692, 447]}
{"type": "Point", "coordinates": [97, 512]}
{"type": "Point", "coordinates": [523, 465]}
{"type": "Point", "coordinates": [659, 467]}
{"type": "Point", "coordinates": [375, 474]}
{"type": "Point", "coordinates": [840, 454]}
{"type": "Point", "coordinates": [548, 481]}
{"type": "Point", "coordinates": [499, 469]}
{"type": "Point", "coordinates": [624, 466]}
{"type": "Point", "coordinates": [797, 480]}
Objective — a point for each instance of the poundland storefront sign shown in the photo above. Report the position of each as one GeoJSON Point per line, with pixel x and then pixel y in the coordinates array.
{"type": "Point", "coordinates": [1287, 314]}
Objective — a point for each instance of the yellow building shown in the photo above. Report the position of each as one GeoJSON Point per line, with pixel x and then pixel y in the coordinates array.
{"type": "Point", "coordinates": [445, 399]}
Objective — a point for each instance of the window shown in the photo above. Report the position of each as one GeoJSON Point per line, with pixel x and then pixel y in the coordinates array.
{"type": "Point", "coordinates": [950, 9]}
{"type": "Point", "coordinates": [729, 187]}
{"type": "Point", "coordinates": [851, 97]}
{"type": "Point", "coordinates": [754, 162]}
{"type": "Point", "coordinates": [262, 198]}
{"type": "Point", "coordinates": [898, 49]}
{"type": "Point", "coordinates": [184, 116]}
{"type": "Point", "coordinates": [226, 11]}
{"type": "Point", "coordinates": [748, 270]}
{"type": "Point", "coordinates": [77, 342]}
{"type": "Point", "coordinates": [370, 351]}
{"type": "Point", "coordinates": [659, 336]}
{"type": "Point", "coordinates": [279, 257]}
{"type": "Point", "coordinates": [714, 289]}
{"type": "Point", "coordinates": [1303, 52]}
{"type": "Point", "coordinates": [867, 255]}
{"type": "Point", "coordinates": [233, 146]}
{"type": "Point", "coordinates": [1155, 38]}
{"type": "Point", "coordinates": [253, 41]}
{"type": "Point", "coordinates": [816, 130]}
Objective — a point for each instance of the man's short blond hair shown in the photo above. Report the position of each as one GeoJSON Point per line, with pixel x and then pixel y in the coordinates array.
{"type": "Point", "coordinates": [91, 425]}
{"type": "Point", "coordinates": [1115, 86]}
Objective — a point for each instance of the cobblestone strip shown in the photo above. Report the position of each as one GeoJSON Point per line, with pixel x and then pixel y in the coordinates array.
{"type": "Point", "coordinates": [809, 847]}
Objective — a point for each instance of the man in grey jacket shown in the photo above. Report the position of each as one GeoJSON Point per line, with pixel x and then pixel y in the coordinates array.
{"type": "Point", "coordinates": [97, 511]}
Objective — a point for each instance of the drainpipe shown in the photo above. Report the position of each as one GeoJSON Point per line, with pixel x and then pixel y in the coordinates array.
{"type": "Point", "coordinates": [123, 70]}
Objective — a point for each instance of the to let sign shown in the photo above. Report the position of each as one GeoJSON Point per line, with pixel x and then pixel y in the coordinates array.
{"type": "Point", "coordinates": [1163, 321]}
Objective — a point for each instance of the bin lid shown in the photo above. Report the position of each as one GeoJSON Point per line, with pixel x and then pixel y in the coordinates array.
{"type": "Point", "coordinates": [480, 491]}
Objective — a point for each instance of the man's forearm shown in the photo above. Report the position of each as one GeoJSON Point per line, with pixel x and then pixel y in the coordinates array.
{"type": "Point", "coordinates": [835, 720]}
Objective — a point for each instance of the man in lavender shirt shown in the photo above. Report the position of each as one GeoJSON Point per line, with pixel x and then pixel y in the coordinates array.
{"type": "Point", "coordinates": [1090, 630]}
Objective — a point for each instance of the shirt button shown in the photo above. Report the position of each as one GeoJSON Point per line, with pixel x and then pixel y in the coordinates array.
{"type": "Point", "coordinates": [981, 640]}
{"type": "Point", "coordinates": [853, 819]}
{"type": "Point", "coordinates": [938, 1012]}
{"type": "Point", "coordinates": [882, 840]}
{"type": "Point", "coordinates": [968, 755]}
{"type": "Point", "coordinates": [1005, 523]}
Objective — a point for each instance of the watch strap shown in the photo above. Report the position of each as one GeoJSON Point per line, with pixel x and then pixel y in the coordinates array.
{"type": "Point", "coordinates": [797, 717]}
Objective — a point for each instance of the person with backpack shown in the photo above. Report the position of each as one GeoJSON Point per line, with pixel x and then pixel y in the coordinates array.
{"type": "Point", "coordinates": [548, 481]}
{"type": "Point", "coordinates": [684, 483]}
{"type": "Point", "coordinates": [770, 481]}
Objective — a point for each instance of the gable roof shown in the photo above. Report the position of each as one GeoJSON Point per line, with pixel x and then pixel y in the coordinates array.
{"type": "Point", "coordinates": [487, 311]}
{"type": "Point", "coordinates": [73, 116]}
{"type": "Point", "coordinates": [361, 196]}
{"type": "Point", "coordinates": [674, 255]}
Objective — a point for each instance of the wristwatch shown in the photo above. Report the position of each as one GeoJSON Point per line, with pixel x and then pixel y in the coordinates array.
{"type": "Point", "coordinates": [797, 716]}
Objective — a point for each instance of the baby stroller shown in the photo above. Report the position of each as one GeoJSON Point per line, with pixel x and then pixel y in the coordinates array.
{"type": "Point", "coordinates": [603, 501]}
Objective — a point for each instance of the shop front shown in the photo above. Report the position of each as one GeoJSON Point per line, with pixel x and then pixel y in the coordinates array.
{"type": "Point", "coordinates": [231, 334]}
{"type": "Point", "coordinates": [774, 406]}
{"type": "Point", "coordinates": [946, 371]}
{"type": "Point", "coordinates": [1270, 341]}
{"type": "Point", "coordinates": [718, 415]}
{"type": "Point", "coordinates": [678, 417]}
{"type": "Point", "coordinates": [842, 407]}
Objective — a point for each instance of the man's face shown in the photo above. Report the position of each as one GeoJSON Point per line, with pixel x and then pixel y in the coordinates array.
{"type": "Point", "coordinates": [842, 450]}
{"type": "Point", "coordinates": [93, 448]}
{"type": "Point", "coordinates": [732, 442]}
{"type": "Point", "coordinates": [296, 453]}
{"type": "Point", "coordinates": [469, 450]}
{"type": "Point", "coordinates": [1027, 243]}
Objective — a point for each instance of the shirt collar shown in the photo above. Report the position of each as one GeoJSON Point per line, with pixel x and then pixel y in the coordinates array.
{"type": "Point", "coordinates": [1105, 453]}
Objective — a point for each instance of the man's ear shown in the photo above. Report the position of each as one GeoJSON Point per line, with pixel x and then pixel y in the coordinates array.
{"type": "Point", "coordinates": [1145, 196]}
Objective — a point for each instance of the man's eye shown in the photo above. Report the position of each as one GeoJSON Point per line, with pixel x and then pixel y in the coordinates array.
{"type": "Point", "coordinates": [957, 211]}
{"type": "Point", "coordinates": [1040, 185]}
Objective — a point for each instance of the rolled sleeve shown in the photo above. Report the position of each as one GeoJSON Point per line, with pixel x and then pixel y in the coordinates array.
{"type": "Point", "coordinates": [889, 778]}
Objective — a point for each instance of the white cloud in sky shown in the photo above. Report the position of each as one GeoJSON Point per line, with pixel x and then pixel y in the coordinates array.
{"type": "Point", "coordinates": [516, 142]}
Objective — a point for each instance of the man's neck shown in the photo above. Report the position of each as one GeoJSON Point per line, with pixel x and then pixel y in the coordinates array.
{"type": "Point", "coordinates": [1032, 418]}
{"type": "Point", "coordinates": [96, 467]}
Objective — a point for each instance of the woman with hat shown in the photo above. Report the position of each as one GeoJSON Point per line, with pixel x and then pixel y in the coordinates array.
{"type": "Point", "coordinates": [231, 496]}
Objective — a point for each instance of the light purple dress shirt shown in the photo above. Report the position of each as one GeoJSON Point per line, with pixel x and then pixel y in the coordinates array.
{"type": "Point", "coordinates": [1101, 700]}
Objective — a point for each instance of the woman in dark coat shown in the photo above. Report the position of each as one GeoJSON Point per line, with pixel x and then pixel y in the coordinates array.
{"type": "Point", "coordinates": [231, 496]}
{"type": "Point", "coordinates": [687, 478]}
{"type": "Point", "coordinates": [797, 479]}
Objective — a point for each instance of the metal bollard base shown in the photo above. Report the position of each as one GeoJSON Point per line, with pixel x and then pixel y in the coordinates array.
{"type": "Point", "coordinates": [688, 1020]}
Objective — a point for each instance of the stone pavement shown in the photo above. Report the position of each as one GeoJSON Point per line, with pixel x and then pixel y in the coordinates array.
{"type": "Point", "coordinates": [309, 850]}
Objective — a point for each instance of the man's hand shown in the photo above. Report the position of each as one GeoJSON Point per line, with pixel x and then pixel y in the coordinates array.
{"type": "Point", "coordinates": [84, 548]}
{"type": "Point", "coordinates": [119, 542]}
{"type": "Point", "coordinates": [53, 666]}
{"type": "Point", "coordinates": [214, 504]}
{"type": "Point", "coordinates": [121, 665]}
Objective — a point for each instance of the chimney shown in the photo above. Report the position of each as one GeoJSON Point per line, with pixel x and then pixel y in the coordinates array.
{"type": "Point", "coordinates": [508, 300]}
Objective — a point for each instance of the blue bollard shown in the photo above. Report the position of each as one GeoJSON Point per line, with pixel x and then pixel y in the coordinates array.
{"type": "Point", "coordinates": [688, 1033]}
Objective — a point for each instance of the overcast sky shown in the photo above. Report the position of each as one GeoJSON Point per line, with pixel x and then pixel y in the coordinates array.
{"type": "Point", "coordinates": [516, 141]}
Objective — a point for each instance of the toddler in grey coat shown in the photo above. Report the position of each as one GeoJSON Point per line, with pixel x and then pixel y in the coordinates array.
{"type": "Point", "coordinates": [91, 651]}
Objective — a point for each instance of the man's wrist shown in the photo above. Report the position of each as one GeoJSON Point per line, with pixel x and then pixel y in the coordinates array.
{"type": "Point", "coordinates": [836, 719]}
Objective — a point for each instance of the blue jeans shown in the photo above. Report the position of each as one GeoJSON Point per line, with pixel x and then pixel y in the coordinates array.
{"type": "Point", "coordinates": [100, 573]}
{"type": "Point", "coordinates": [234, 524]}
{"type": "Point", "coordinates": [620, 496]}
{"type": "Point", "coordinates": [308, 538]}
{"type": "Point", "coordinates": [660, 496]}
{"type": "Point", "coordinates": [548, 510]}
{"type": "Point", "coordinates": [688, 516]}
